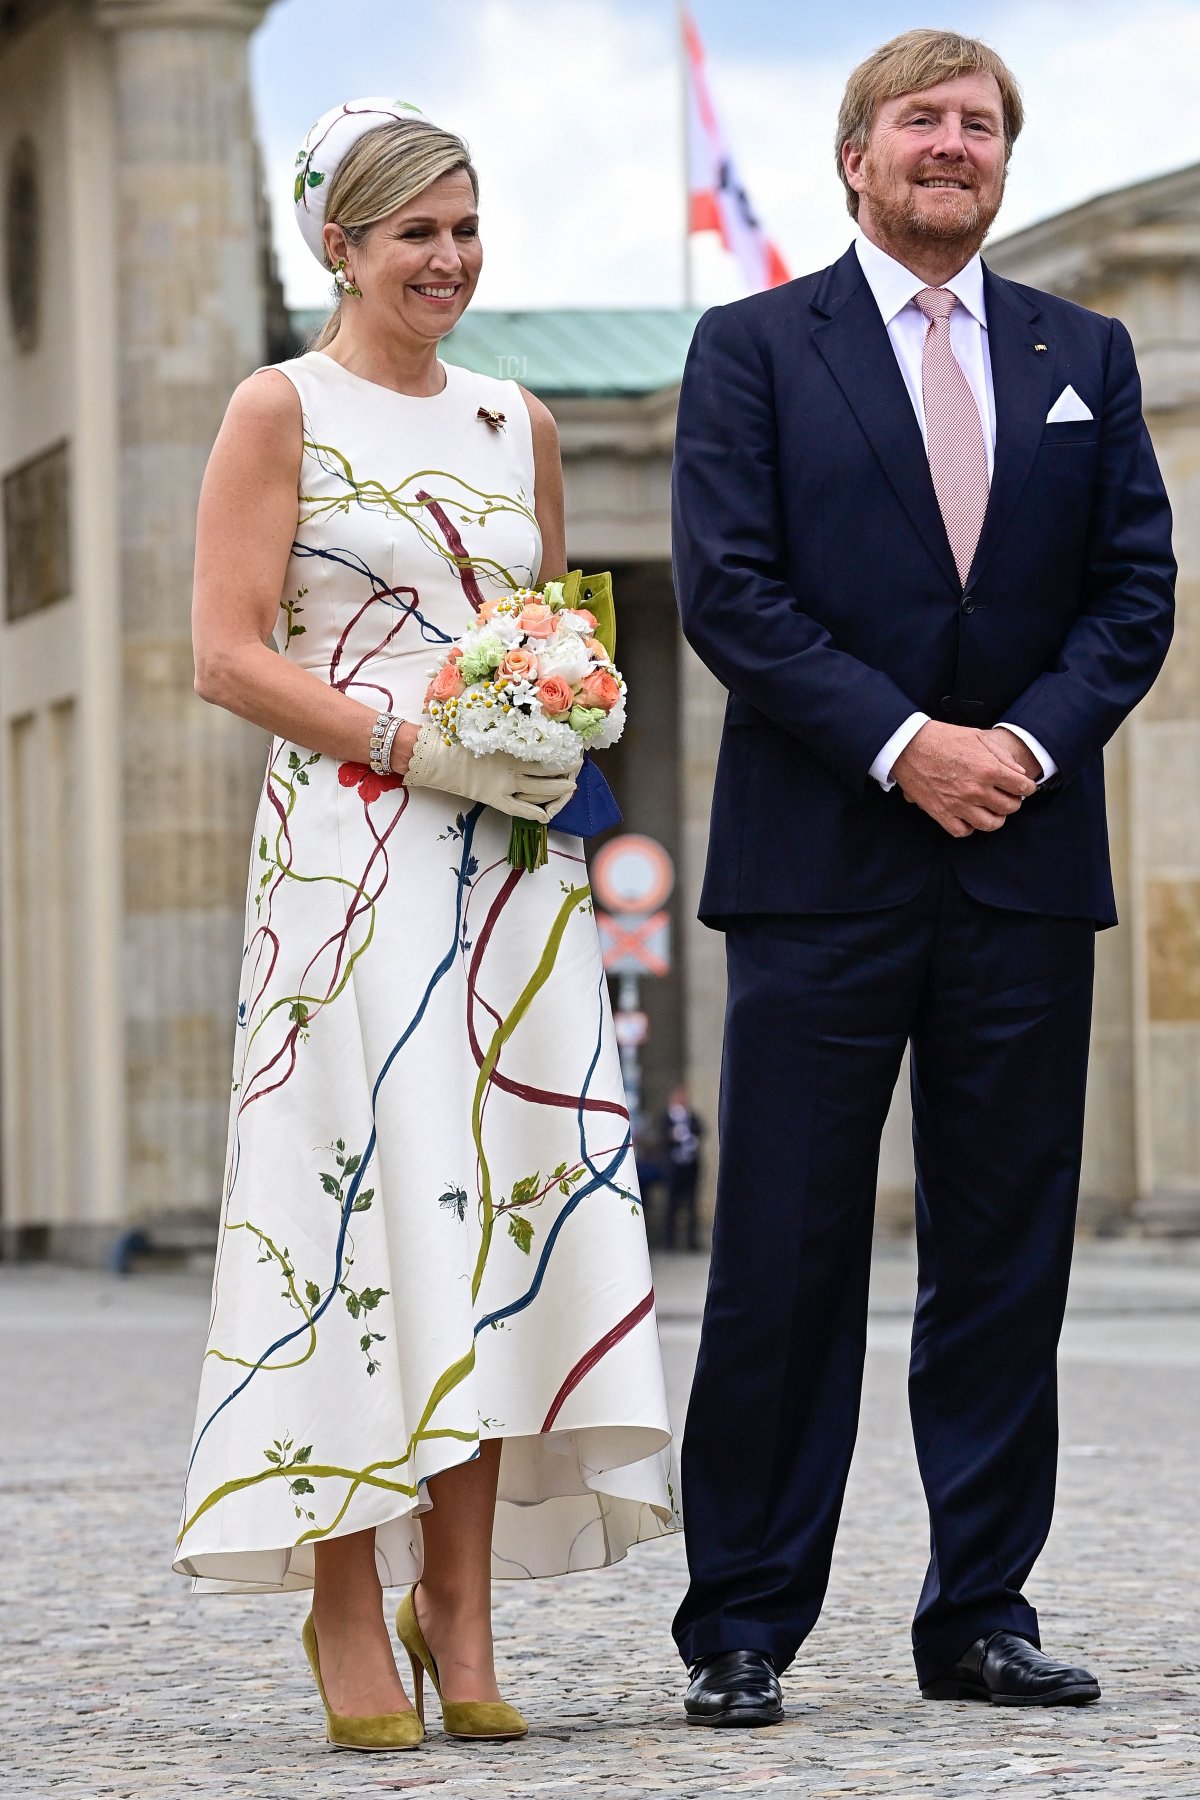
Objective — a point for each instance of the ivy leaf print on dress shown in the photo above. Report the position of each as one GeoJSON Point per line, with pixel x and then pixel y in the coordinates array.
{"type": "Point", "coordinates": [347, 1166]}
{"type": "Point", "coordinates": [285, 1458]}
{"type": "Point", "coordinates": [364, 1343]}
{"type": "Point", "coordinates": [290, 610]}
{"type": "Point", "coordinates": [365, 1301]}
{"type": "Point", "coordinates": [521, 1231]}
{"type": "Point", "coordinates": [299, 769]}
{"type": "Point", "coordinates": [295, 1488]}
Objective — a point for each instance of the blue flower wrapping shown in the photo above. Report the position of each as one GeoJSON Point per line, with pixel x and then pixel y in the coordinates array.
{"type": "Point", "coordinates": [591, 808]}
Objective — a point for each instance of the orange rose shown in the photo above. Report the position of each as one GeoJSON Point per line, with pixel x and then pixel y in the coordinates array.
{"type": "Point", "coordinates": [556, 695]}
{"type": "Point", "coordinates": [599, 689]}
{"type": "Point", "coordinates": [447, 684]}
{"type": "Point", "coordinates": [455, 652]}
{"type": "Point", "coordinates": [537, 621]}
{"type": "Point", "coordinates": [595, 648]}
{"type": "Point", "coordinates": [487, 609]}
{"type": "Point", "coordinates": [587, 618]}
{"type": "Point", "coordinates": [519, 665]}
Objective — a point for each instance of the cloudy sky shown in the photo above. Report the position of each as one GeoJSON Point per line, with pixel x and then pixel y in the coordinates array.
{"type": "Point", "coordinates": [572, 109]}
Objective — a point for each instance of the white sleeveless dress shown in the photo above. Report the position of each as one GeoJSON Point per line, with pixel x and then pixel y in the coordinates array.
{"type": "Point", "coordinates": [431, 1231]}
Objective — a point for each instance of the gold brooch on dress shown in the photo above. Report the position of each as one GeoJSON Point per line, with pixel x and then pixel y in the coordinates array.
{"type": "Point", "coordinates": [494, 419]}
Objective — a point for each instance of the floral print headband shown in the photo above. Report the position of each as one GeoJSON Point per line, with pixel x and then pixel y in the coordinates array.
{"type": "Point", "coordinates": [323, 152]}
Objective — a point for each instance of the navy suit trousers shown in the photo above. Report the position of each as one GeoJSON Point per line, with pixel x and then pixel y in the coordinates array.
{"type": "Point", "coordinates": [996, 1006]}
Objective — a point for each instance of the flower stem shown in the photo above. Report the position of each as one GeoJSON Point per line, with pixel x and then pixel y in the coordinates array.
{"type": "Point", "coordinates": [527, 846]}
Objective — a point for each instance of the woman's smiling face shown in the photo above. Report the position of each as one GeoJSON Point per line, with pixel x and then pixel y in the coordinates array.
{"type": "Point", "coordinates": [419, 267]}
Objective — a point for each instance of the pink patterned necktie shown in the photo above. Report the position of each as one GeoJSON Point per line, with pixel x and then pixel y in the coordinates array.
{"type": "Point", "coordinates": [953, 432]}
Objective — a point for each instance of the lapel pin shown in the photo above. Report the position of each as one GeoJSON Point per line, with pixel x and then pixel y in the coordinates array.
{"type": "Point", "coordinates": [494, 419]}
{"type": "Point", "coordinates": [1040, 346]}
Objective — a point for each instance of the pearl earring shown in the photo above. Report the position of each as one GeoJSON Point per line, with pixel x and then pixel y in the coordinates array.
{"type": "Point", "coordinates": [343, 282]}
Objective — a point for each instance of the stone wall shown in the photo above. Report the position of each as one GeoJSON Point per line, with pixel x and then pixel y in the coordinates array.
{"type": "Point", "coordinates": [1135, 255]}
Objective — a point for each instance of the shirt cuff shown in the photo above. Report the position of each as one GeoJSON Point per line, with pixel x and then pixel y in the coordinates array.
{"type": "Point", "coordinates": [885, 762]}
{"type": "Point", "coordinates": [1049, 766]}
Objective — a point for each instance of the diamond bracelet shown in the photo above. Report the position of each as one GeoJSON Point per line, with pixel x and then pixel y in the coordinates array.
{"type": "Point", "coordinates": [383, 736]}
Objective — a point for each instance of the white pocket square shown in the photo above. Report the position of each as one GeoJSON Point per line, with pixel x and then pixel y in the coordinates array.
{"type": "Point", "coordinates": [1068, 406]}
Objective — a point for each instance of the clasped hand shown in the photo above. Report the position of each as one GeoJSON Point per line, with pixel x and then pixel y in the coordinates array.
{"type": "Point", "coordinates": [966, 780]}
{"type": "Point", "coordinates": [521, 790]}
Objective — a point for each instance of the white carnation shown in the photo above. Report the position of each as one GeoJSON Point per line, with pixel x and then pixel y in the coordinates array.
{"type": "Point", "coordinates": [505, 627]}
{"type": "Point", "coordinates": [530, 737]}
{"type": "Point", "coordinates": [564, 656]}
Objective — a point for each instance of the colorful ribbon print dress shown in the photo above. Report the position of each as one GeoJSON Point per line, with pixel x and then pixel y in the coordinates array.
{"type": "Point", "coordinates": [431, 1230]}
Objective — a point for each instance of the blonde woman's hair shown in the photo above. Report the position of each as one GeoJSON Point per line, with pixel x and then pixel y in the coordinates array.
{"type": "Point", "coordinates": [385, 169]}
{"type": "Point", "coordinates": [916, 60]}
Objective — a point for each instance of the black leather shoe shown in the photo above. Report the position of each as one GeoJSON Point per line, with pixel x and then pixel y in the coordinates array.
{"type": "Point", "coordinates": [1009, 1671]}
{"type": "Point", "coordinates": [733, 1687]}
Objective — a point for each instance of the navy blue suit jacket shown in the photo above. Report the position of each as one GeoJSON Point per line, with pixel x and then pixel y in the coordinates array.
{"type": "Point", "coordinates": [815, 579]}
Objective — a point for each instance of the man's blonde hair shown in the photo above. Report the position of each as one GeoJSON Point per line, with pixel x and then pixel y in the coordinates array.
{"type": "Point", "coordinates": [909, 63]}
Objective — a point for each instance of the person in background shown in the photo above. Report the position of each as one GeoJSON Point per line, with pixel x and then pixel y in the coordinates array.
{"type": "Point", "coordinates": [682, 1130]}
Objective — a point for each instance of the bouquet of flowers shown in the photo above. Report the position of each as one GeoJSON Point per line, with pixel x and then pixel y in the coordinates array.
{"type": "Point", "coordinates": [535, 677]}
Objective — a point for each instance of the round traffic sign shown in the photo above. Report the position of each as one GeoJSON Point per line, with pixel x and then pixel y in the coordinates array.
{"type": "Point", "coordinates": [631, 1029]}
{"type": "Point", "coordinates": [632, 874]}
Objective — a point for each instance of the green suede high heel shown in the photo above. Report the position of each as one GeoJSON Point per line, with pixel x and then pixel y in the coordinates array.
{"type": "Point", "coordinates": [378, 1731]}
{"type": "Point", "coordinates": [460, 1718]}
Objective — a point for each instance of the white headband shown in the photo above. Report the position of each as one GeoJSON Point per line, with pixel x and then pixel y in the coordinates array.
{"type": "Point", "coordinates": [323, 152]}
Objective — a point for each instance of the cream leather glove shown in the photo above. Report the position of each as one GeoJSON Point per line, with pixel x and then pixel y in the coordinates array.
{"type": "Point", "coordinates": [519, 789]}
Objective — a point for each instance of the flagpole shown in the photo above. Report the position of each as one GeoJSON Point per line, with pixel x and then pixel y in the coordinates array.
{"type": "Point", "coordinates": [680, 27]}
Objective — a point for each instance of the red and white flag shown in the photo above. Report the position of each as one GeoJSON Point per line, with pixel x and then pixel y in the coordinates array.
{"type": "Point", "coordinates": [717, 201]}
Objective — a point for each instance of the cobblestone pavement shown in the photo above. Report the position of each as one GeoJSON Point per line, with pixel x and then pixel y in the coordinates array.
{"type": "Point", "coordinates": [116, 1682]}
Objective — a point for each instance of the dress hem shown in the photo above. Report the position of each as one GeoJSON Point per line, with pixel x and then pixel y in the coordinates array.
{"type": "Point", "coordinates": [606, 1524]}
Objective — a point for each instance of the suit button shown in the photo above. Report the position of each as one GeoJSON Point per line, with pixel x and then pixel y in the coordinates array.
{"type": "Point", "coordinates": [968, 603]}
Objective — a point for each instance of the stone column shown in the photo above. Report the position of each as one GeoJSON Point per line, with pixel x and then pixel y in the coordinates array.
{"type": "Point", "coordinates": [1164, 823]}
{"type": "Point", "coordinates": [190, 326]}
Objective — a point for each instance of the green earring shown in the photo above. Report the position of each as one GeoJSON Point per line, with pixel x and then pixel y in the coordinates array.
{"type": "Point", "coordinates": [345, 287]}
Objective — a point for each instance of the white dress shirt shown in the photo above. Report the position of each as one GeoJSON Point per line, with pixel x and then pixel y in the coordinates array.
{"type": "Point", "coordinates": [894, 287]}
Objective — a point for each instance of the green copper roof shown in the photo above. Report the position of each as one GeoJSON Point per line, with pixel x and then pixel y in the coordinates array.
{"type": "Point", "coordinates": [573, 351]}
